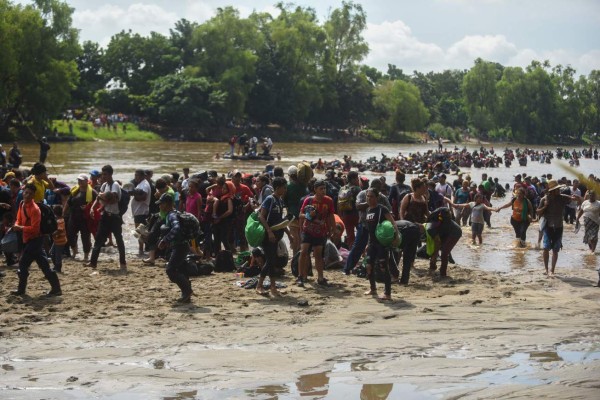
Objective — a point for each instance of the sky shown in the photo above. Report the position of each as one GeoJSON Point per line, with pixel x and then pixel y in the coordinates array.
{"type": "Point", "coordinates": [414, 35]}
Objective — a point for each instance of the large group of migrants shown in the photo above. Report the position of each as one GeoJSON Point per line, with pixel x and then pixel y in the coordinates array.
{"type": "Point", "coordinates": [44, 219]}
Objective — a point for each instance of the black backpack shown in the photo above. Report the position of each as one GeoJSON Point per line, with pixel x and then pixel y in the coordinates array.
{"type": "Point", "coordinates": [48, 223]}
{"type": "Point", "coordinates": [296, 261]}
{"type": "Point", "coordinates": [224, 261]}
{"type": "Point", "coordinates": [189, 225]}
{"type": "Point", "coordinates": [124, 202]}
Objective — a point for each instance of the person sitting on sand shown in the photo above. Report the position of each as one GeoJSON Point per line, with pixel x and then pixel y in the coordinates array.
{"type": "Point", "coordinates": [271, 216]}
{"type": "Point", "coordinates": [179, 248]}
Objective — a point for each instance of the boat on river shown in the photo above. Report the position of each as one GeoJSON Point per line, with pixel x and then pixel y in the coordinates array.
{"type": "Point", "coordinates": [247, 157]}
{"type": "Point", "coordinates": [320, 139]}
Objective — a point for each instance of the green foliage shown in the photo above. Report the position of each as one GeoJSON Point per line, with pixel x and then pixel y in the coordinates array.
{"type": "Point", "coordinates": [289, 69]}
{"type": "Point", "coordinates": [86, 131]}
{"type": "Point", "coordinates": [399, 107]}
{"type": "Point", "coordinates": [479, 91]}
{"type": "Point", "coordinates": [452, 134]}
{"type": "Point", "coordinates": [37, 67]}
{"type": "Point", "coordinates": [180, 100]}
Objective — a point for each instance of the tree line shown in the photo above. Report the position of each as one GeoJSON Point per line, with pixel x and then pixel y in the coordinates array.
{"type": "Point", "coordinates": [290, 69]}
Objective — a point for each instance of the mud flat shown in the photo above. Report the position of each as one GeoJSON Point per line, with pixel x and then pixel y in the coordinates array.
{"type": "Point", "coordinates": [478, 335]}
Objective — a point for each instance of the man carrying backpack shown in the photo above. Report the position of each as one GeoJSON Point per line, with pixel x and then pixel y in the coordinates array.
{"type": "Point", "coordinates": [179, 248]}
{"type": "Point", "coordinates": [347, 206]}
{"type": "Point", "coordinates": [28, 222]}
{"type": "Point", "coordinates": [111, 220]}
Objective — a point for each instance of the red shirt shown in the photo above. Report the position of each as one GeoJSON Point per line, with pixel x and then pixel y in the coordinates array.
{"type": "Point", "coordinates": [245, 192]}
{"type": "Point", "coordinates": [324, 208]}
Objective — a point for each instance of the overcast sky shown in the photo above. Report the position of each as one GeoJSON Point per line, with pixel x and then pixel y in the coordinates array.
{"type": "Point", "coordinates": [421, 35]}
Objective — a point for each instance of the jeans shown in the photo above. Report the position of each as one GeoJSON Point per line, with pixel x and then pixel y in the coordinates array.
{"type": "Point", "coordinates": [360, 243]}
{"type": "Point", "coordinates": [56, 252]}
{"type": "Point", "coordinates": [175, 268]}
{"type": "Point", "coordinates": [109, 223]}
{"type": "Point", "coordinates": [33, 251]}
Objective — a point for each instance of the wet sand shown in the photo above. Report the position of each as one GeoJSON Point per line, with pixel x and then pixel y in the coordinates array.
{"type": "Point", "coordinates": [114, 335]}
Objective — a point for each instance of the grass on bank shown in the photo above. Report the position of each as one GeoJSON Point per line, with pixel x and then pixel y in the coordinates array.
{"type": "Point", "coordinates": [84, 130]}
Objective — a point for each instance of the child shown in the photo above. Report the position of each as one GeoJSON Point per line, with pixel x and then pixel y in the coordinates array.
{"type": "Point", "coordinates": [477, 221]}
{"type": "Point", "coordinates": [59, 238]}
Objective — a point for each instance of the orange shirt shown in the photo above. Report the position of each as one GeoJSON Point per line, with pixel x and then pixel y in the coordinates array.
{"type": "Point", "coordinates": [60, 236]}
{"type": "Point", "coordinates": [29, 222]}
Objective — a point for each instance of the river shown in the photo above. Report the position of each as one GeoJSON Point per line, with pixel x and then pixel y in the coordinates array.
{"type": "Point", "coordinates": [498, 252]}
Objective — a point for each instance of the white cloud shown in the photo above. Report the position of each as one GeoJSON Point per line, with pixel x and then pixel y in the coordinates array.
{"type": "Point", "coordinates": [139, 17]}
{"type": "Point", "coordinates": [488, 47]}
{"type": "Point", "coordinates": [394, 43]}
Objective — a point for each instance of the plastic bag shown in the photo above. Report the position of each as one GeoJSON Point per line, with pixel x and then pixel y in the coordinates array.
{"type": "Point", "coordinates": [255, 231]}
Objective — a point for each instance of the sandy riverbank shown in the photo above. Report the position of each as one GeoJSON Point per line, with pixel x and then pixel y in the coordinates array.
{"type": "Point", "coordinates": [111, 334]}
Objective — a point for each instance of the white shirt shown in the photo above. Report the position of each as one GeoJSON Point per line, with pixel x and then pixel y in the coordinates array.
{"type": "Point", "coordinates": [591, 210]}
{"type": "Point", "coordinates": [444, 189]}
{"type": "Point", "coordinates": [115, 188]}
{"type": "Point", "coordinates": [141, 207]}
{"type": "Point", "coordinates": [574, 203]}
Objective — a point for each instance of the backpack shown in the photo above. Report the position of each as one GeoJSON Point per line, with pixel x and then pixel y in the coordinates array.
{"type": "Point", "coordinates": [345, 199]}
{"type": "Point", "coordinates": [192, 267]}
{"type": "Point", "coordinates": [189, 226]}
{"type": "Point", "coordinates": [296, 261]}
{"type": "Point", "coordinates": [224, 261]}
{"type": "Point", "coordinates": [48, 223]}
{"type": "Point", "coordinates": [123, 201]}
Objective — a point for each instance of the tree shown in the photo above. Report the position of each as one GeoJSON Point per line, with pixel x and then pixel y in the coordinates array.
{"type": "Point", "coordinates": [226, 54]}
{"type": "Point", "coordinates": [527, 103]}
{"type": "Point", "coordinates": [590, 87]}
{"type": "Point", "coordinates": [399, 107]}
{"type": "Point", "coordinates": [287, 86]}
{"type": "Point", "coordinates": [182, 39]}
{"type": "Point", "coordinates": [344, 48]}
{"type": "Point", "coordinates": [91, 75]}
{"type": "Point", "coordinates": [180, 100]}
{"type": "Point", "coordinates": [479, 91]}
{"type": "Point", "coordinates": [37, 67]}
{"type": "Point", "coordinates": [136, 60]}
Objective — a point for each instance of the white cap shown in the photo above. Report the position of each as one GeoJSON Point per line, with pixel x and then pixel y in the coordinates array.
{"type": "Point", "coordinates": [293, 170]}
{"type": "Point", "coordinates": [82, 177]}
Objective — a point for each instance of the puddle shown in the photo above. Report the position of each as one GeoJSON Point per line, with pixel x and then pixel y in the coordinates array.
{"type": "Point", "coordinates": [526, 365]}
{"type": "Point", "coordinates": [183, 395]}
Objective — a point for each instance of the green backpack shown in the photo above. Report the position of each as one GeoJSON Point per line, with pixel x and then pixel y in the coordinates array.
{"type": "Point", "coordinates": [255, 231]}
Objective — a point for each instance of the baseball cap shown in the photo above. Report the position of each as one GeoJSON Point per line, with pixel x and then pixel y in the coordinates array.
{"type": "Point", "coordinates": [165, 198]}
{"type": "Point", "coordinates": [82, 177]}
{"type": "Point", "coordinates": [94, 172]}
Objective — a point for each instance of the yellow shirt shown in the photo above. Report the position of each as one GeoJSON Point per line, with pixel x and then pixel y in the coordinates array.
{"type": "Point", "coordinates": [40, 189]}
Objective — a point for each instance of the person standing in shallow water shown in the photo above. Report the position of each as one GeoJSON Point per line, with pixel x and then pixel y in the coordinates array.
{"type": "Point", "coordinates": [590, 210]}
{"type": "Point", "coordinates": [44, 148]}
{"type": "Point", "coordinates": [552, 207]}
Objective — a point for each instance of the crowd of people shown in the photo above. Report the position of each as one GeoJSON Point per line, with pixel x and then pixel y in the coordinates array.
{"type": "Point", "coordinates": [342, 217]}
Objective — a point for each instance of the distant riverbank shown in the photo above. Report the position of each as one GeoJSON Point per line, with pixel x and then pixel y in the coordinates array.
{"type": "Point", "coordinates": [62, 131]}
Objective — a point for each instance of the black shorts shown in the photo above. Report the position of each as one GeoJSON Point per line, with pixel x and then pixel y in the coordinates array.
{"type": "Point", "coordinates": [140, 219]}
{"type": "Point", "coordinates": [314, 241]}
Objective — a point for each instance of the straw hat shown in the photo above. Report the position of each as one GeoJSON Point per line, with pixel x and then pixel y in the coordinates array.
{"type": "Point", "coordinates": [553, 185]}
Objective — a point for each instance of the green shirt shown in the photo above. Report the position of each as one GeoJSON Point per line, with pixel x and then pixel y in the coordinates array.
{"type": "Point", "coordinates": [295, 192]}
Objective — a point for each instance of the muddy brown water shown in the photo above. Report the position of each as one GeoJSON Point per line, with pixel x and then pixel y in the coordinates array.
{"type": "Point", "coordinates": [498, 252]}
